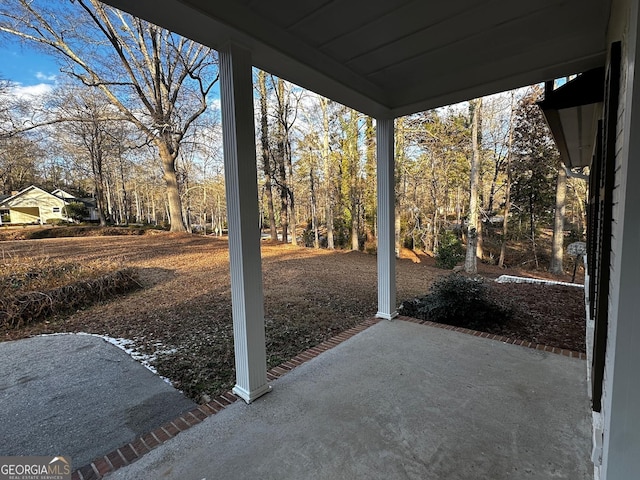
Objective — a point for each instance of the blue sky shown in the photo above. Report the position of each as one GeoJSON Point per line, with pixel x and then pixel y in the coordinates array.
{"type": "Point", "coordinates": [26, 66]}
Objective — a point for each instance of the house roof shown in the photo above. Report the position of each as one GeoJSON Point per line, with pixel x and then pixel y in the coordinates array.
{"type": "Point", "coordinates": [572, 112]}
{"type": "Point", "coordinates": [396, 57]}
{"type": "Point", "coordinates": [30, 188]}
{"type": "Point", "coordinates": [58, 192]}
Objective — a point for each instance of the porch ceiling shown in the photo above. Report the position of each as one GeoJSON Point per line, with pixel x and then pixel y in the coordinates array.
{"type": "Point", "coordinates": [395, 57]}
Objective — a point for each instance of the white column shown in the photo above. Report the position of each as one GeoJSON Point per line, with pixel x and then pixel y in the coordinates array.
{"type": "Point", "coordinates": [236, 97]}
{"type": "Point", "coordinates": [386, 220]}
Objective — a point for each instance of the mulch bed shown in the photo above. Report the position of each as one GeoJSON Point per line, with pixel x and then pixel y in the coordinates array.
{"type": "Point", "coordinates": [544, 314]}
{"type": "Point", "coordinates": [551, 315]}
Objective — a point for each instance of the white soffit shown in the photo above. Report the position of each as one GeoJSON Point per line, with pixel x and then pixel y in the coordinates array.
{"type": "Point", "coordinates": [396, 57]}
{"type": "Point", "coordinates": [580, 127]}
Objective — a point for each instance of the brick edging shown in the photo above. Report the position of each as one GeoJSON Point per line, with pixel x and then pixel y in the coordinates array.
{"type": "Point", "coordinates": [499, 338]}
{"type": "Point", "coordinates": [134, 450]}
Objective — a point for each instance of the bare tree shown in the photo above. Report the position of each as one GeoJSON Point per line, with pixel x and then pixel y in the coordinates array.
{"type": "Point", "coordinates": [507, 192]}
{"type": "Point", "coordinates": [328, 172]}
{"type": "Point", "coordinates": [20, 151]}
{"type": "Point", "coordinates": [266, 156]}
{"type": "Point", "coordinates": [351, 173]}
{"type": "Point", "coordinates": [159, 81]}
{"type": "Point", "coordinates": [91, 134]}
{"type": "Point", "coordinates": [470, 262]}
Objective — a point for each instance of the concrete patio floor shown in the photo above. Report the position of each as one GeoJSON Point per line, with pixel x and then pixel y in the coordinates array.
{"type": "Point", "coordinates": [399, 400]}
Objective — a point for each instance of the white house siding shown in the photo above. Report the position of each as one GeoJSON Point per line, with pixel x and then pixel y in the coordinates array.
{"type": "Point", "coordinates": [618, 425]}
{"type": "Point", "coordinates": [24, 215]}
{"type": "Point", "coordinates": [34, 206]}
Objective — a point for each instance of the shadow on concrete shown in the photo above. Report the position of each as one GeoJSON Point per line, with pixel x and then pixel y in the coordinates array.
{"type": "Point", "coordinates": [78, 396]}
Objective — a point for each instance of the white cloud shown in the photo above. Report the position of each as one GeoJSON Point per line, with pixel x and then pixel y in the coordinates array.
{"type": "Point", "coordinates": [43, 77]}
{"type": "Point", "coordinates": [30, 91]}
{"type": "Point", "coordinates": [214, 104]}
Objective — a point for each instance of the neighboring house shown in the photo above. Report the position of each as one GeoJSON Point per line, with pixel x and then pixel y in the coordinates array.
{"type": "Point", "coordinates": [90, 203]}
{"type": "Point", "coordinates": [37, 206]}
{"type": "Point", "coordinates": [4, 211]}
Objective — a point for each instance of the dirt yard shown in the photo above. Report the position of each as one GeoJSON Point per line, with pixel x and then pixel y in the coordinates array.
{"type": "Point", "coordinates": [181, 318]}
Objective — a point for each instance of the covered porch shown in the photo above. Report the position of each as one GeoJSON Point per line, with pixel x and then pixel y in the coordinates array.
{"type": "Point", "coordinates": [388, 59]}
{"type": "Point", "coordinates": [398, 400]}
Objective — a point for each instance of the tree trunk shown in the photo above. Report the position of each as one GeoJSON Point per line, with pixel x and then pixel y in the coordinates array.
{"type": "Point", "coordinates": [532, 229]}
{"type": "Point", "coordinates": [470, 262]}
{"type": "Point", "coordinates": [100, 205]}
{"type": "Point", "coordinates": [505, 221]}
{"type": "Point", "coordinates": [557, 245]}
{"type": "Point", "coordinates": [136, 198]}
{"type": "Point", "coordinates": [281, 164]}
{"type": "Point", "coordinates": [108, 197]}
{"type": "Point", "coordinates": [370, 187]}
{"type": "Point", "coordinates": [293, 220]}
{"type": "Point", "coordinates": [266, 165]}
{"type": "Point", "coordinates": [507, 193]}
{"type": "Point", "coordinates": [314, 210]}
{"type": "Point", "coordinates": [480, 242]}
{"type": "Point", "coordinates": [353, 169]}
{"type": "Point", "coordinates": [399, 186]}
{"type": "Point", "coordinates": [173, 194]}
{"type": "Point", "coordinates": [98, 182]}
{"type": "Point", "coordinates": [284, 199]}
{"type": "Point", "coordinates": [327, 173]}
{"type": "Point", "coordinates": [355, 241]}
{"type": "Point", "coordinates": [124, 199]}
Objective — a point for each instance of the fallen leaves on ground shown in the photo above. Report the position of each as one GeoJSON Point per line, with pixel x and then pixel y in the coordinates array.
{"type": "Point", "coordinates": [182, 316]}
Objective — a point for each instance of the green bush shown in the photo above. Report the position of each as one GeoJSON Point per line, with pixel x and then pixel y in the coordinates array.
{"type": "Point", "coordinates": [450, 251]}
{"type": "Point", "coordinates": [459, 301]}
{"type": "Point", "coordinates": [76, 211]}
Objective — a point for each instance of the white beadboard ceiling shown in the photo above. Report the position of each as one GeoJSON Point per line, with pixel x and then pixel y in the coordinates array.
{"type": "Point", "coordinates": [395, 57]}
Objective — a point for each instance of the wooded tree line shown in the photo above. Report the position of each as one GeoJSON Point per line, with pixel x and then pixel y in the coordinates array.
{"type": "Point", "coordinates": [133, 124]}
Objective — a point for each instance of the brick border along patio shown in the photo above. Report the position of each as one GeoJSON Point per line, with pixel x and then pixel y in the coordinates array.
{"type": "Point", "coordinates": [131, 452]}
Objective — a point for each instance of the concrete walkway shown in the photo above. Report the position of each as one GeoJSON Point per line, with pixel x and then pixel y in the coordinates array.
{"type": "Point", "coordinates": [399, 400]}
{"type": "Point", "coordinates": [77, 396]}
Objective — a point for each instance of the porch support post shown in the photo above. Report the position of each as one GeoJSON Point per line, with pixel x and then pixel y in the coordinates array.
{"type": "Point", "coordinates": [386, 220]}
{"type": "Point", "coordinates": [236, 98]}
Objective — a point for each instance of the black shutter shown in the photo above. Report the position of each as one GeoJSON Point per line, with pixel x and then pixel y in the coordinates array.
{"type": "Point", "coordinates": [604, 216]}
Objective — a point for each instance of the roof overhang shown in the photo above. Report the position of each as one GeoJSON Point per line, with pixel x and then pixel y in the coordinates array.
{"type": "Point", "coordinates": [572, 112]}
{"type": "Point", "coordinates": [389, 58]}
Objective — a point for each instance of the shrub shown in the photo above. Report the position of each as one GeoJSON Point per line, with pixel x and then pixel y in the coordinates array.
{"type": "Point", "coordinates": [33, 289]}
{"type": "Point", "coordinates": [56, 222]}
{"type": "Point", "coordinates": [450, 251]}
{"type": "Point", "coordinates": [30, 307]}
{"type": "Point", "coordinates": [459, 301]}
{"type": "Point", "coordinates": [76, 211]}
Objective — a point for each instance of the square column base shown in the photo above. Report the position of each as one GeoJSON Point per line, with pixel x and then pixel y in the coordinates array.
{"type": "Point", "coordinates": [251, 396]}
{"type": "Point", "coordinates": [387, 316]}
